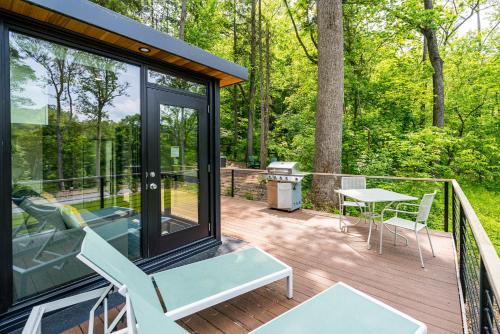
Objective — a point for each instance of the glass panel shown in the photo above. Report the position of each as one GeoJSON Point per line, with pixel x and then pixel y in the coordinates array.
{"type": "Point", "coordinates": [75, 123]}
{"type": "Point", "coordinates": [179, 168]}
{"type": "Point", "coordinates": [172, 81]}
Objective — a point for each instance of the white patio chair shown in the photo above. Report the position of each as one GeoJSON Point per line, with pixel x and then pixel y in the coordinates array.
{"type": "Point", "coordinates": [420, 223]}
{"type": "Point", "coordinates": [352, 182]}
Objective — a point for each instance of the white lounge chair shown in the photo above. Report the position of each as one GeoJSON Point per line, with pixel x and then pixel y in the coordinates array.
{"type": "Point", "coordinates": [192, 287]}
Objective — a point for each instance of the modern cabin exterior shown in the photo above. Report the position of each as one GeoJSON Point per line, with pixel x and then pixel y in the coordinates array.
{"type": "Point", "coordinates": [107, 123]}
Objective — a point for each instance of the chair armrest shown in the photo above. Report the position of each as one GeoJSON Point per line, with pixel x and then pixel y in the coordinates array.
{"type": "Point", "coordinates": [399, 211]}
{"type": "Point", "coordinates": [406, 204]}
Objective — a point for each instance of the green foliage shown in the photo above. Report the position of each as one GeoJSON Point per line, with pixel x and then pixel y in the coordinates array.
{"type": "Point", "coordinates": [485, 203]}
{"type": "Point", "coordinates": [388, 85]}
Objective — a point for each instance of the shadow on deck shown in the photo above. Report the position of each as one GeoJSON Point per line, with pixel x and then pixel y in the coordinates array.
{"type": "Point", "coordinates": [320, 255]}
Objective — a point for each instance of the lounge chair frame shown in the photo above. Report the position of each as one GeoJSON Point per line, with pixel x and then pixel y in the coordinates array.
{"type": "Point", "coordinates": [215, 299]}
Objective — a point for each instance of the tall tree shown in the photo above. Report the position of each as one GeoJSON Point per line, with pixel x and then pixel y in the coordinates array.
{"type": "Point", "coordinates": [182, 19]}
{"type": "Point", "coordinates": [263, 149]}
{"type": "Point", "coordinates": [234, 90]}
{"type": "Point", "coordinates": [264, 121]}
{"type": "Point", "coordinates": [330, 101]}
{"type": "Point", "coordinates": [437, 76]}
{"type": "Point", "coordinates": [252, 87]}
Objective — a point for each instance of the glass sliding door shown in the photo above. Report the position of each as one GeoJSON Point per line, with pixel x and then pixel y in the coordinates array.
{"type": "Point", "coordinates": [178, 169]}
{"type": "Point", "coordinates": [76, 159]}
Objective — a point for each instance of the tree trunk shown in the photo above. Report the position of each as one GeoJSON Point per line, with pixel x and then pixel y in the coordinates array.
{"type": "Point", "coordinates": [330, 101]}
{"type": "Point", "coordinates": [424, 85]}
{"type": "Point", "coordinates": [182, 20]}
{"type": "Point", "coordinates": [437, 76]}
{"type": "Point", "coordinates": [251, 107]}
{"type": "Point", "coordinates": [263, 158]}
{"type": "Point", "coordinates": [234, 88]}
{"type": "Point", "coordinates": [59, 140]}
{"type": "Point", "coordinates": [264, 121]}
{"type": "Point", "coordinates": [98, 145]}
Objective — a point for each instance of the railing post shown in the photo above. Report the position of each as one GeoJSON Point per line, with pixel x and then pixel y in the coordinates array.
{"type": "Point", "coordinates": [463, 230]}
{"type": "Point", "coordinates": [446, 206]}
{"type": "Point", "coordinates": [101, 191]}
{"type": "Point", "coordinates": [483, 299]}
{"type": "Point", "coordinates": [232, 182]}
{"type": "Point", "coordinates": [453, 215]}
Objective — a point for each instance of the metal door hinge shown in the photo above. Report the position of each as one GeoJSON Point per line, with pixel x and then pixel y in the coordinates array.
{"type": "Point", "coordinates": [208, 109]}
{"type": "Point", "coordinates": [209, 169]}
{"type": "Point", "coordinates": [209, 226]}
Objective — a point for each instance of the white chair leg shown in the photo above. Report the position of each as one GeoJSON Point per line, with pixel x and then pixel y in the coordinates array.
{"type": "Point", "coordinates": [370, 234]}
{"type": "Point", "coordinates": [340, 218]}
{"type": "Point", "coordinates": [430, 242]}
{"type": "Point", "coordinates": [395, 234]}
{"type": "Point", "coordinates": [419, 250]}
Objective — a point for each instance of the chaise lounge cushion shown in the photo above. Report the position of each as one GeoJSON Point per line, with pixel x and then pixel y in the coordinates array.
{"type": "Point", "coordinates": [188, 284]}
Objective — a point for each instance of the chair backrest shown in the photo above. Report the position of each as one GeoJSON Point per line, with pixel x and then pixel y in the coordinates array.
{"type": "Point", "coordinates": [425, 207]}
{"type": "Point", "coordinates": [149, 319]}
{"type": "Point", "coordinates": [353, 182]}
{"type": "Point", "coordinates": [116, 268]}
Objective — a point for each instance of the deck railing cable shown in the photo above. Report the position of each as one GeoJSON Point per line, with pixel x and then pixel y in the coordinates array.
{"type": "Point", "coordinates": [479, 266]}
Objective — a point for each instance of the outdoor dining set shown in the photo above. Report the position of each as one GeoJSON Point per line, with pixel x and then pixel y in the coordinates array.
{"type": "Point", "coordinates": [365, 199]}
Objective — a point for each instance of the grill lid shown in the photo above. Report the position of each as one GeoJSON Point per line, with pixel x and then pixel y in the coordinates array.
{"type": "Point", "coordinates": [282, 167]}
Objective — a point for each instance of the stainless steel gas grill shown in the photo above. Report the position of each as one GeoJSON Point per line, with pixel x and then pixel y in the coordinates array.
{"type": "Point", "coordinates": [284, 185]}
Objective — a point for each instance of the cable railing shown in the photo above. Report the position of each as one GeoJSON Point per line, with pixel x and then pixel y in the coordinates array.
{"type": "Point", "coordinates": [478, 262]}
{"type": "Point", "coordinates": [479, 266]}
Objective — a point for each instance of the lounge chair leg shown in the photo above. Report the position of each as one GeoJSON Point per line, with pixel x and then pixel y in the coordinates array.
{"type": "Point", "coordinates": [289, 284]}
{"type": "Point", "coordinates": [131, 324]}
{"type": "Point", "coordinates": [430, 242]}
{"type": "Point", "coordinates": [419, 250]}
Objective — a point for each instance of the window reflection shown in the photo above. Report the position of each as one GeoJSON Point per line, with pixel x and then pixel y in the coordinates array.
{"type": "Point", "coordinates": [179, 168]}
{"type": "Point", "coordinates": [173, 81]}
{"type": "Point", "coordinates": [75, 134]}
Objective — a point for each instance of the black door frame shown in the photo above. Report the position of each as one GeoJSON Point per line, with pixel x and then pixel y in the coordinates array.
{"type": "Point", "coordinates": [158, 244]}
{"type": "Point", "coordinates": [12, 315]}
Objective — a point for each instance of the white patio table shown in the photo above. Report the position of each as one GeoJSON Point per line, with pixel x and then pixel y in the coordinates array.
{"type": "Point", "coordinates": [372, 196]}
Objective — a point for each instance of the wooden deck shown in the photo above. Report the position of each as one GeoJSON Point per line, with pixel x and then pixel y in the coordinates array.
{"type": "Point", "coordinates": [320, 255]}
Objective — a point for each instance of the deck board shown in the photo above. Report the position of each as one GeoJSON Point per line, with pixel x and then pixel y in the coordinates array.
{"type": "Point", "coordinates": [320, 255]}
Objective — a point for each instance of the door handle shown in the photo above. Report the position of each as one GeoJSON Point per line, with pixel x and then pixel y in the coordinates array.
{"type": "Point", "coordinates": [153, 186]}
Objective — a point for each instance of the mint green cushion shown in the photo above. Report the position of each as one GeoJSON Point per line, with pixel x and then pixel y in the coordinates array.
{"type": "Point", "coordinates": [108, 261]}
{"type": "Point", "coordinates": [342, 310]}
{"type": "Point", "coordinates": [196, 281]}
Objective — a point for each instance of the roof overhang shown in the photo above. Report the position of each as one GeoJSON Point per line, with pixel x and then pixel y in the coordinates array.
{"type": "Point", "coordinates": [91, 20]}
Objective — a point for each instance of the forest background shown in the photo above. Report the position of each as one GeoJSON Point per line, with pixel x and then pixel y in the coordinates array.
{"type": "Point", "coordinates": [420, 81]}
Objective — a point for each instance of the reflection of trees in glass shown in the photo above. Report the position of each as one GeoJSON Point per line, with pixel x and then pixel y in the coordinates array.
{"type": "Point", "coordinates": [76, 92]}
{"type": "Point", "coordinates": [179, 127]}
{"type": "Point", "coordinates": [20, 73]}
{"type": "Point", "coordinates": [58, 62]}
{"type": "Point", "coordinates": [172, 81]}
{"type": "Point", "coordinates": [99, 86]}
